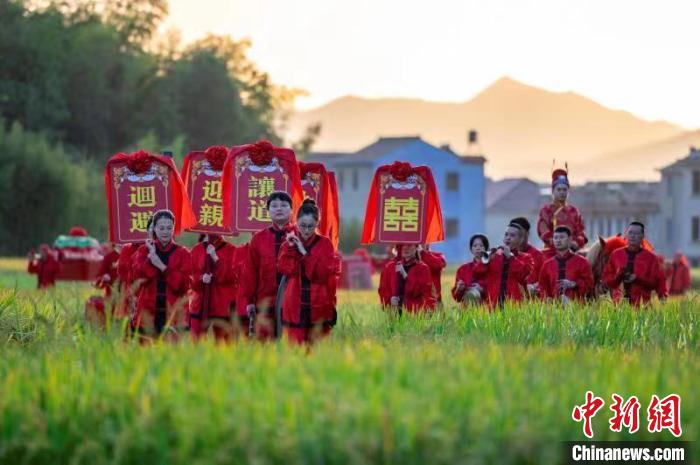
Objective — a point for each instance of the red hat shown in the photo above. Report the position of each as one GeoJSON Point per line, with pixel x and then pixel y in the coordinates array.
{"type": "Point", "coordinates": [560, 176]}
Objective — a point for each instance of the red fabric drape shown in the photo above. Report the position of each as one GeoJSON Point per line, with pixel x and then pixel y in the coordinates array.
{"type": "Point", "coordinates": [327, 200]}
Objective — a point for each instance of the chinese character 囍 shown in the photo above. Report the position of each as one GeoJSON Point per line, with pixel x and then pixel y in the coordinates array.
{"type": "Point", "coordinates": [400, 215]}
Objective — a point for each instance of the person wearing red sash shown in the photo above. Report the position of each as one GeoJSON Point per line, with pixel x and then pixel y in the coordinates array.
{"type": "Point", "coordinates": [162, 271]}
{"type": "Point", "coordinates": [537, 255]}
{"type": "Point", "coordinates": [566, 276]}
{"type": "Point", "coordinates": [678, 275]}
{"type": "Point", "coordinates": [505, 271]}
{"type": "Point", "coordinates": [44, 265]}
{"type": "Point", "coordinates": [406, 282]}
{"type": "Point", "coordinates": [560, 213]}
{"type": "Point", "coordinates": [308, 260]}
{"type": "Point", "coordinates": [213, 282]}
{"type": "Point", "coordinates": [634, 268]}
{"type": "Point", "coordinates": [262, 276]}
{"type": "Point", "coordinates": [107, 274]}
{"type": "Point", "coordinates": [436, 262]}
{"type": "Point", "coordinates": [467, 287]}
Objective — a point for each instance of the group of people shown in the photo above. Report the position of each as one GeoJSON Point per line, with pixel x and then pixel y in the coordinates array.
{"type": "Point", "coordinates": [167, 290]}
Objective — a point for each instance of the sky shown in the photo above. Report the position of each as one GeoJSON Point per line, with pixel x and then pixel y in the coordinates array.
{"type": "Point", "coordinates": [640, 56]}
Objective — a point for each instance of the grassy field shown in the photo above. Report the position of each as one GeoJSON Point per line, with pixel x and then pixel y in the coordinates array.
{"type": "Point", "coordinates": [462, 386]}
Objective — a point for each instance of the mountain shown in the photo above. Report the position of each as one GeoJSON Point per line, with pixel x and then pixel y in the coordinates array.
{"type": "Point", "coordinates": [521, 128]}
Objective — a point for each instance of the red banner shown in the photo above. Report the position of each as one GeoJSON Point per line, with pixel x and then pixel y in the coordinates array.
{"type": "Point", "coordinates": [318, 184]}
{"type": "Point", "coordinates": [204, 189]}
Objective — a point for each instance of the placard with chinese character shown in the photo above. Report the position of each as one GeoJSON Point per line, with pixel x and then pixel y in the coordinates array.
{"type": "Point", "coordinates": [204, 189]}
{"type": "Point", "coordinates": [311, 185]}
{"type": "Point", "coordinates": [401, 210]}
{"type": "Point", "coordinates": [136, 197]}
{"type": "Point", "coordinates": [252, 185]}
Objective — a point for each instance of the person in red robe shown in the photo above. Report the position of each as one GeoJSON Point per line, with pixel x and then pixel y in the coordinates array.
{"type": "Point", "coordinates": [505, 271]}
{"type": "Point", "coordinates": [125, 306]}
{"type": "Point", "coordinates": [309, 262]}
{"type": "Point", "coordinates": [566, 276]}
{"type": "Point", "coordinates": [436, 262]}
{"type": "Point", "coordinates": [162, 272]}
{"type": "Point", "coordinates": [634, 268]}
{"type": "Point", "coordinates": [406, 283]}
{"type": "Point", "coordinates": [44, 265]}
{"type": "Point", "coordinates": [107, 274]}
{"type": "Point", "coordinates": [678, 274]}
{"type": "Point", "coordinates": [537, 255]}
{"type": "Point", "coordinates": [213, 284]}
{"type": "Point", "coordinates": [262, 277]}
{"type": "Point", "coordinates": [467, 287]}
{"type": "Point", "coordinates": [662, 286]}
{"type": "Point", "coordinates": [560, 213]}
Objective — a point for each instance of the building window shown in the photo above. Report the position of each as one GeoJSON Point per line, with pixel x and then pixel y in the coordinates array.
{"type": "Point", "coordinates": [695, 229]}
{"type": "Point", "coordinates": [355, 180]}
{"type": "Point", "coordinates": [451, 228]}
{"type": "Point", "coordinates": [696, 182]}
{"type": "Point", "coordinates": [452, 181]}
{"type": "Point", "coordinates": [341, 179]}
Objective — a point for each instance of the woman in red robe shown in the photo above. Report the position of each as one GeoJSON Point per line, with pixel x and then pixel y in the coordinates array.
{"type": "Point", "coordinates": [504, 273]}
{"type": "Point", "coordinates": [308, 260]}
{"type": "Point", "coordinates": [467, 287]}
{"type": "Point", "coordinates": [406, 282]}
{"type": "Point", "coordinates": [44, 265]}
{"type": "Point", "coordinates": [214, 286]}
{"type": "Point", "coordinates": [162, 272]}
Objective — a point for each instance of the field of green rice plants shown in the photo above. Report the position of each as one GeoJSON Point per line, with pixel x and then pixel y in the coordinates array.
{"type": "Point", "coordinates": [460, 386]}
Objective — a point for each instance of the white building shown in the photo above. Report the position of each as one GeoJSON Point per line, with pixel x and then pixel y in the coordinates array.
{"type": "Point", "coordinates": [680, 207]}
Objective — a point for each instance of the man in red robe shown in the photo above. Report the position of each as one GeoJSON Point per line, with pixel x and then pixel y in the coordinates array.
{"type": "Point", "coordinates": [44, 265]}
{"type": "Point", "coordinates": [560, 213]}
{"type": "Point", "coordinates": [538, 257]}
{"type": "Point", "coordinates": [262, 277]}
{"type": "Point", "coordinates": [633, 267]}
{"type": "Point", "coordinates": [504, 273]}
{"type": "Point", "coordinates": [678, 275]}
{"type": "Point", "coordinates": [436, 262]}
{"type": "Point", "coordinates": [566, 276]}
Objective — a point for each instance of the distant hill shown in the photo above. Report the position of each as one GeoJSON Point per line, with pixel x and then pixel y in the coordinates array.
{"type": "Point", "coordinates": [521, 127]}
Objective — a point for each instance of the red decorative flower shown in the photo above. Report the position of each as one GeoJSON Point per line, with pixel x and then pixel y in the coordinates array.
{"type": "Point", "coordinates": [262, 152]}
{"type": "Point", "coordinates": [139, 162]}
{"type": "Point", "coordinates": [77, 231]}
{"type": "Point", "coordinates": [216, 156]}
{"type": "Point", "coordinates": [401, 170]}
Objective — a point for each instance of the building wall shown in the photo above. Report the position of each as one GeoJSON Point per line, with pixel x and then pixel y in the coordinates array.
{"type": "Point", "coordinates": [353, 188]}
{"type": "Point", "coordinates": [678, 207]}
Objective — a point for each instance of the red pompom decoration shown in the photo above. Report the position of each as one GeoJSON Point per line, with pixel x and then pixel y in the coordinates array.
{"type": "Point", "coordinates": [216, 156]}
{"type": "Point", "coordinates": [77, 231]}
{"type": "Point", "coordinates": [262, 152]}
{"type": "Point", "coordinates": [401, 170]}
{"type": "Point", "coordinates": [139, 162]}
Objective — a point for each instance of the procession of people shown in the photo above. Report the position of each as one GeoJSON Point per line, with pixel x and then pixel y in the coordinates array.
{"type": "Point", "coordinates": [284, 281]}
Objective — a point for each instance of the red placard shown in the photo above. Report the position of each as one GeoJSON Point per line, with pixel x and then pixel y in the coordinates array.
{"type": "Point", "coordinates": [135, 197]}
{"type": "Point", "coordinates": [204, 189]}
{"type": "Point", "coordinates": [401, 210]}
{"type": "Point", "coordinates": [253, 184]}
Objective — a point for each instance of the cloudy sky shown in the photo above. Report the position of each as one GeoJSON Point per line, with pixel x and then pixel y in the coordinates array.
{"type": "Point", "coordinates": [640, 56]}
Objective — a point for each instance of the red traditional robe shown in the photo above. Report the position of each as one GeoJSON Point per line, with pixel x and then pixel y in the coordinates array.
{"type": "Point", "coordinates": [504, 279]}
{"type": "Point", "coordinates": [465, 273]}
{"type": "Point", "coordinates": [240, 257]}
{"type": "Point", "coordinates": [108, 267]}
{"type": "Point", "coordinates": [645, 267]}
{"type": "Point", "coordinates": [662, 286]}
{"type": "Point", "coordinates": [568, 266]}
{"type": "Point", "coordinates": [308, 304]}
{"type": "Point", "coordinates": [262, 277]}
{"type": "Point", "coordinates": [553, 215]}
{"type": "Point", "coordinates": [678, 277]}
{"type": "Point", "coordinates": [45, 269]}
{"type": "Point", "coordinates": [213, 301]}
{"type": "Point", "coordinates": [161, 298]}
{"type": "Point", "coordinates": [415, 292]}
{"type": "Point", "coordinates": [125, 273]}
{"type": "Point", "coordinates": [538, 260]}
{"type": "Point", "coordinates": [436, 262]}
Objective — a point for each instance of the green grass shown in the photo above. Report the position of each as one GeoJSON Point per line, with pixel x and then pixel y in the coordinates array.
{"type": "Point", "coordinates": [456, 387]}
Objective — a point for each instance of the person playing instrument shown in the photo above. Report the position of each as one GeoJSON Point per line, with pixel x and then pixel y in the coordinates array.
{"type": "Point", "coordinates": [44, 265]}
{"type": "Point", "coordinates": [406, 283]}
{"type": "Point", "coordinates": [467, 287]}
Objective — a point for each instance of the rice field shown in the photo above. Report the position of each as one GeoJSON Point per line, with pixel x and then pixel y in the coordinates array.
{"type": "Point", "coordinates": [460, 386]}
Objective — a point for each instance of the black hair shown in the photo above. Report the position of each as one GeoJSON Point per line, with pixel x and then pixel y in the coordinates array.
{"type": "Point", "coordinates": [484, 240]}
{"type": "Point", "coordinates": [637, 223]}
{"type": "Point", "coordinates": [158, 215]}
{"type": "Point", "coordinates": [308, 207]}
{"type": "Point", "coordinates": [279, 195]}
{"type": "Point", "coordinates": [563, 229]}
{"type": "Point", "coordinates": [522, 221]}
